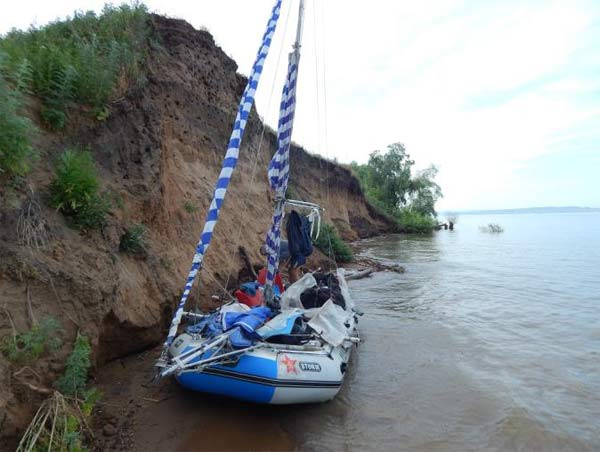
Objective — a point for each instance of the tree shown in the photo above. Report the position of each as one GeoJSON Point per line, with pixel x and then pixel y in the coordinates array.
{"type": "Point", "coordinates": [386, 178]}
{"type": "Point", "coordinates": [388, 183]}
{"type": "Point", "coordinates": [425, 192]}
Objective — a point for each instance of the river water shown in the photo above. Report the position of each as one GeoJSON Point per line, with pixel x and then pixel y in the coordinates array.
{"type": "Point", "coordinates": [487, 342]}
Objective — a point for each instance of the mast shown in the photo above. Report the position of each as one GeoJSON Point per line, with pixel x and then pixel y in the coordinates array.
{"type": "Point", "coordinates": [228, 166]}
{"type": "Point", "coordinates": [300, 27]}
{"type": "Point", "coordinates": [279, 168]}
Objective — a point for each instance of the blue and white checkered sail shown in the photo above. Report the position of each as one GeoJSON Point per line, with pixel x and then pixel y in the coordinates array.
{"type": "Point", "coordinates": [279, 168]}
{"type": "Point", "coordinates": [229, 163]}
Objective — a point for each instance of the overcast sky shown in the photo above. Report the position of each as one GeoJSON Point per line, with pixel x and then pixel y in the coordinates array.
{"type": "Point", "coordinates": [504, 96]}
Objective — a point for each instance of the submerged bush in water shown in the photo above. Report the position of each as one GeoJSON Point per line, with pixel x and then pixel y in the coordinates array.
{"type": "Point", "coordinates": [492, 228]}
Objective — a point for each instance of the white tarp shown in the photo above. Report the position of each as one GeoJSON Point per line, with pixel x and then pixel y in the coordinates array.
{"type": "Point", "coordinates": [344, 288]}
{"type": "Point", "coordinates": [329, 323]}
{"type": "Point", "coordinates": [291, 296]}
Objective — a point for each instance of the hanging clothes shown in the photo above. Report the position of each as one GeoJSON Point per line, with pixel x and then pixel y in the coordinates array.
{"type": "Point", "coordinates": [299, 242]}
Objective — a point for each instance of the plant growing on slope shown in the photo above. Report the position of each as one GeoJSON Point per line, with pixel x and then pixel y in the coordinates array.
{"type": "Point", "coordinates": [32, 344]}
{"type": "Point", "coordinates": [16, 131]}
{"type": "Point", "coordinates": [60, 424]}
{"type": "Point", "coordinates": [82, 60]}
{"type": "Point", "coordinates": [133, 241]}
{"type": "Point", "coordinates": [74, 379]}
{"type": "Point", "coordinates": [332, 245]}
{"type": "Point", "coordinates": [74, 190]}
{"type": "Point", "coordinates": [190, 207]}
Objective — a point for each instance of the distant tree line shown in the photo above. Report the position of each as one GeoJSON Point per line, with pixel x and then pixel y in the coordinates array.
{"type": "Point", "coordinates": [390, 185]}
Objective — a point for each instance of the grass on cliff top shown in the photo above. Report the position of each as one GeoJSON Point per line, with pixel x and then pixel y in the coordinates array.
{"type": "Point", "coordinates": [81, 60]}
{"type": "Point", "coordinates": [85, 60]}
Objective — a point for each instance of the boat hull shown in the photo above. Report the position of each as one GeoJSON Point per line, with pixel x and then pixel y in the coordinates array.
{"type": "Point", "coordinates": [271, 375]}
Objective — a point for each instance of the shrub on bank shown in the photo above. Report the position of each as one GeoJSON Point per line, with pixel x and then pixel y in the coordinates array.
{"type": "Point", "coordinates": [74, 191]}
{"type": "Point", "coordinates": [330, 243]}
{"type": "Point", "coordinates": [412, 221]}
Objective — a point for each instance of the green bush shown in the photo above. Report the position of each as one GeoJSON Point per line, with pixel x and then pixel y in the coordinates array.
{"type": "Point", "coordinates": [412, 221]}
{"type": "Point", "coordinates": [74, 190]}
{"type": "Point", "coordinates": [133, 241]}
{"type": "Point", "coordinates": [82, 59]}
{"type": "Point", "coordinates": [332, 245]}
{"type": "Point", "coordinates": [32, 344]}
{"type": "Point", "coordinates": [73, 381]}
{"type": "Point", "coordinates": [16, 131]}
{"type": "Point", "coordinates": [190, 207]}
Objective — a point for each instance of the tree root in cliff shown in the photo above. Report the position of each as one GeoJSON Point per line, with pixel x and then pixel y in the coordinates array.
{"type": "Point", "coordinates": [31, 226]}
{"type": "Point", "coordinates": [21, 378]}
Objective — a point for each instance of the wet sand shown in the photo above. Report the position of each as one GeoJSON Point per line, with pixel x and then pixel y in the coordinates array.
{"type": "Point", "coordinates": [164, 417]}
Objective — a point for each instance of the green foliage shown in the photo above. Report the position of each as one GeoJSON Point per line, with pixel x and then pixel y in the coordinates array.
{"type": "Point", "coordinates": [133, 241]}
{"type": "Point", "coordinates": [16, 131]}
{"type": "Point", "coordinates": [332, 245]}
{"type": "Point", "coordinates": [190, 207]}
{"type": "Point", "coordinates": [390, 186]}
{"type": "Point", "coordinates": [74, 190]}
{"type": "Point", "coordinates": [82, 60]}
{"type": "Point", "coordinates": [411, 220]}
{"type": "Point", "coordinates": [29, 346]}
{"type": "Point", "coordinates": [290, 193]}
{"type": "Point", "coordinates": [90, 399]}
{"type": "Point", "coordinates": [73, 381]}
{"type": "Point", "coordinates": [424, 192]}
{"type": "Point", "coordinates": [60, 424]}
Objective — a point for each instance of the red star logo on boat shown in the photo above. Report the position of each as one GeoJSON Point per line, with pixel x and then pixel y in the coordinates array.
{"type": "Point", "coordinates": [290, 364]}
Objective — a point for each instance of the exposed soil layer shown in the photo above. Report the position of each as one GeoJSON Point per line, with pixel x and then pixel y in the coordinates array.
{"type": "Point", "coordinates": [160, 151]}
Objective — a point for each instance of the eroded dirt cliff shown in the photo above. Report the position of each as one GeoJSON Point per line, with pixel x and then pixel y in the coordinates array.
{"type": "Point", "coordinates": [160, 151]}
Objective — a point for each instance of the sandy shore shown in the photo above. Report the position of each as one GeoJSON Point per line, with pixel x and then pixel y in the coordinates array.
{"type": "Point", "coordinates": [138, 415]}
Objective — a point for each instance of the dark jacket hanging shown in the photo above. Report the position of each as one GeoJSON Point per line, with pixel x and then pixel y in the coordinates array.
{"type": "Point", "coordinates": [298, 234]}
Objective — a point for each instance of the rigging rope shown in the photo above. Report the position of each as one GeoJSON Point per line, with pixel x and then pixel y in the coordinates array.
{"type": "Point", "coordinates": [258, 152]}
{"type": "Point", "coordinates": [326, 137]}
{"type": "Point", "coordinates": [229, 163]}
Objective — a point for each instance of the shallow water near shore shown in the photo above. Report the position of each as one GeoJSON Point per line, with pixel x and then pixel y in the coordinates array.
{"type": "Point", "coordinates": [487, 342]}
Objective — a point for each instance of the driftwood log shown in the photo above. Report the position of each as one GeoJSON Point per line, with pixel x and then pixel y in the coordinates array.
{"type": "Point", "coordinates": [359, 274]}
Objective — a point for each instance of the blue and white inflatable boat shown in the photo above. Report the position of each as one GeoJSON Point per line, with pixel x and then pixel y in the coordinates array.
{"type": "Point", "coordinates": [259, 364]}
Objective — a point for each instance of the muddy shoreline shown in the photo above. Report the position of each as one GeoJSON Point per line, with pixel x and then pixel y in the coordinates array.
{"type": "Point", "coordinates": [136, 414]}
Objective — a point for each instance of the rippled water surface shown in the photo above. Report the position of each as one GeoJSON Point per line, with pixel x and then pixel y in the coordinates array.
{"type": "Point", "coordinates": [487, 342]}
